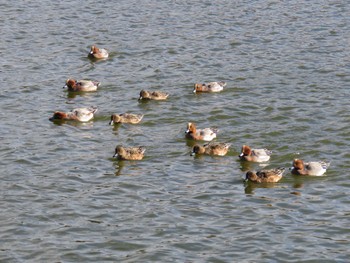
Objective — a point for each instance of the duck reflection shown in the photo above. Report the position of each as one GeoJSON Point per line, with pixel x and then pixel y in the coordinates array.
{"type": "Point", "coordinates": [249, 187]}
{"type": "Point", "coordinates": [85, 125]}
{"type": "Point", "coordinates": [71, 95]}
{"type": "Point", "coordinates": [119, 167]}
{"type": "Point", "coordinates": [190, 143]}
{"type": "Point", "coordinates": [127, 168]}
{"type": "Point", "coordinates": [246, 166]}
{"type": "Point", "coordinates": [116, 127]}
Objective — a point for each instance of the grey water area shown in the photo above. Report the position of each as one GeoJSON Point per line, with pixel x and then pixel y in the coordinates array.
{"type": "Point", "coordinates": [65, 199]}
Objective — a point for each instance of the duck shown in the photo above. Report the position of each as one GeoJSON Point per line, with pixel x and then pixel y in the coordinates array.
{"type": "Point", "coordinates": [206, 134]}
{"type": "Point", "coordinates": [153, 95]}
{"type": "Point", "coordinates": [212, 148]}
{"type": "Point", "coordinates": [98, 53]}
{"type": "Point", "coordinates": [129, 153]}
{"type": "Point", "coordinates": [81, 85]}
{"type": "Point", "coordinates": [315, 168]}
{"type": "Point", "coordinates": [209, 87]}
{"type": "Point", "coordinates": [79, 114]}
{"type": "Point", "coordinates": [254, 155]}
{"type": "Point", "coordinates": [265, 176]}
{"type": "Point", "coordinates": [125, 118]}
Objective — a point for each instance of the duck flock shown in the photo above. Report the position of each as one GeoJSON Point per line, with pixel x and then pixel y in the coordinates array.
{"type": "Point", "coordinates": [299, 167]}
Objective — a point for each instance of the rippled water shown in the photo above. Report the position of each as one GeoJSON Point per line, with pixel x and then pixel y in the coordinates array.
{"type": "Point", "coordinates": [65, 199]}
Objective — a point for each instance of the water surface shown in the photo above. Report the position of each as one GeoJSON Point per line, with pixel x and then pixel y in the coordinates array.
{"type": "Point", "coordinates": [65, 199]}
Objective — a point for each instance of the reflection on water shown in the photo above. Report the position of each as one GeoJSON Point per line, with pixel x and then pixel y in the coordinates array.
{"type": "Point", "coordinates": [78, 124]}
{"type": "Point", "coordinates": [72, 95]}
{"type": "Point", "coordinates": [249, 187]}
{"type": "Point", "coordinates": [119, 167]}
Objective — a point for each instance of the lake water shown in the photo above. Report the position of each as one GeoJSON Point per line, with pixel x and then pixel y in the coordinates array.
{"type": "Point", "coordinates": [65, 199]}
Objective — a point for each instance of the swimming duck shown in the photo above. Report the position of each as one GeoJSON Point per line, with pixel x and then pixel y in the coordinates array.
{"type": "Point", "coordinates": [317, 168]}
{"type": "Point", "coordinates": [206, 134]}
{"type": "Point", "coordinates": [98, 53]}
{"type": "Point", "coordinates": [81, 85]}
{"type": "Point", "coordinates": [153, 95]}
{"type": "Point", "coordinates": [209, 87]}
{"type": "Point", "coordinates": [129, 153]}
{"type": "Point", "coordinates": [79, 114]}
{"type": "Point", "coordinates": [265, 176]}
{"type": "Point", "coordinates": [212, 148]}
{"type": "Point", "coordinates": [254, 155]}
{"type": "Point", "coordinates": [125, 118]}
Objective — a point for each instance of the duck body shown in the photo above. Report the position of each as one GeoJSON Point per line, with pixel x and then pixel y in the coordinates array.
{"type": "Point", "coordinates": [79, 114]}
{"type": "Point", "coordinates": [125, 118]}
{"type": "Point", "coordinates": [129, 153]}
{"type": "Point", "coordinates": [254, 155]}
{"type": "Point", "coordinates": [81, 85]}
{"type": "Point", "coordinates": [153, 95]}
{"type": "Point", "coordinates": [209, 87]}
{"type": "Point", "coordinates": [212, 148]}
{"type": "Point", "coordinates": [265, 176]}
{"type": "Point", "coordinates": [98, 53]}
{"type": "Point", "coordinates": [206, 134]}
{"type": "Point", "coordinates": [316, 168]}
